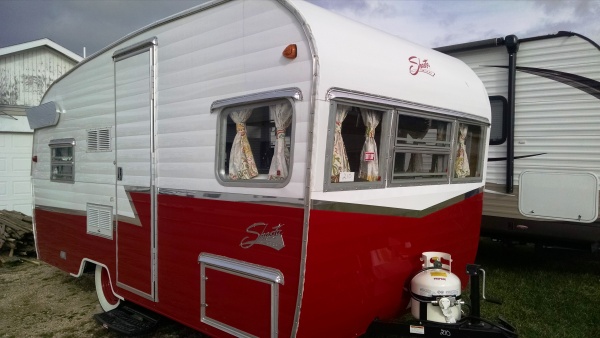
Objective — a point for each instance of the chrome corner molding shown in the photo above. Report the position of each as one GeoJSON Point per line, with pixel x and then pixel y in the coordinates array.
{"type": "Point", "coordinates": [293, 93]}
{"type": "Point", "coordinates": [340, 93]}
{"type": "Point", "coordinates": [135, 49]}
{"type": "Point", "coordinates": [246, 268]}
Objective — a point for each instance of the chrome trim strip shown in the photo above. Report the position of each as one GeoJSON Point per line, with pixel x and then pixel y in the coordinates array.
{"type": "Point", "coordinates": [315, 71]}
{"type": "Point", "coordinates": [250, 269]}
{"type": "Point", "coordinates": [334, 93]}
{"type": "Point", "coordinates": [234, 197]}
{"type": "Point", "coordinates": [294, 93]}
{"type": "Point", "coordinates": [62, 142]}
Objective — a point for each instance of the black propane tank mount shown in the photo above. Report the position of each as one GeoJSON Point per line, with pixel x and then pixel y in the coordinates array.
{"type": "Point", "coordinates": [471, 326]}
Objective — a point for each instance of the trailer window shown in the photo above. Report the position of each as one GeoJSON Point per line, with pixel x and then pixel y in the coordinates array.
{"type": "Point", "coordinates": [355, 146]}
{"type": "Point", "coordinates": [422, 149]}
{"type": "Point", "coordinates": [62, 160]}
{"type": "Point", "coordinates": [255, 143]}
{"type": "Point", "coordinates": [498, 130]}
{"type": "Point", "coordinates": [468, 150]}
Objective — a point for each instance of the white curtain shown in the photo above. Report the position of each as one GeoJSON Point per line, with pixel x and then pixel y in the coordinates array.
{"type": "Point", "coordinates": [369, 160]}
{"type": "Point", "coordinates": [282, 114]}
{"type": "Point", "coordinates": [241, 160]}
{"type": "Point", "coordinates": [340, 158]}
{"type": "Point", "coordinates": [461, 164]}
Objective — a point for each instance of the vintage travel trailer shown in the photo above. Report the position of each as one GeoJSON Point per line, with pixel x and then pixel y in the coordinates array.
{"type": "Point", "coordinates": [260, 169]}
{"type": "Point", "coordinates": [544, 163]}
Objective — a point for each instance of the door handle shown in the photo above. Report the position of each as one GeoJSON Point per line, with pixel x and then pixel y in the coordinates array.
{"type": "Point", "coordinates": [119, 173]}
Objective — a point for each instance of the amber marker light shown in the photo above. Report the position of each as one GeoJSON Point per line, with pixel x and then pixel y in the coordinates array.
{"type": "Point", "coordinates": [290, 52]}
{"type": "Point", "coordinates": [34, 158]}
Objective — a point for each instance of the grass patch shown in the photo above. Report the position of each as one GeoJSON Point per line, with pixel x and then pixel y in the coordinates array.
{"type": "Point", "coordinates": [545, 293]}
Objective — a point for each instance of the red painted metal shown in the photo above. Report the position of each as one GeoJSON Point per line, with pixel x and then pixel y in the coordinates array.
{"type": "Point", "coordinates": [356, 264]}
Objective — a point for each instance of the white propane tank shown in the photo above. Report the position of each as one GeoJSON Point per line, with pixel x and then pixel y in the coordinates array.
{"type": "Point", "coordinates": [435, 291]}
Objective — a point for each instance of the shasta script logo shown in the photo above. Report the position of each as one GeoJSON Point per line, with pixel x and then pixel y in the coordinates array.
{"type": "Point", "coordinates": [417, 66]}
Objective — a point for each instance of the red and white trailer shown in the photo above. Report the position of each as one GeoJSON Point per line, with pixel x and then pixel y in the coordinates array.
{"type": "Point", "coordinates": [260, 168]}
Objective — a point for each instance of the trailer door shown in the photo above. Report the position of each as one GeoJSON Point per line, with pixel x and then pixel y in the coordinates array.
{"type": "Point", "coordinates": [134, 143]}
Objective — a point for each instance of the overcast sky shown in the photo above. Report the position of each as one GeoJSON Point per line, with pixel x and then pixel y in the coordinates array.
{"type": "Point", "coordinates": [94, 24]}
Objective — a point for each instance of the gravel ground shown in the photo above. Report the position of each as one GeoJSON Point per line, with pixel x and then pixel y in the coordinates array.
{"type": "Point", "coordinates": [38, 300]}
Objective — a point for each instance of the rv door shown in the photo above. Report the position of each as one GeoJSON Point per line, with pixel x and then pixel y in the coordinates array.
{"type": "Point", "coordinates": [134, 144]}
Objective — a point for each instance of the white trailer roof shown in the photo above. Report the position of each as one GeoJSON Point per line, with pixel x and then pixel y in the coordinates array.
{"type": "Point", "coordinates": [369, 60]}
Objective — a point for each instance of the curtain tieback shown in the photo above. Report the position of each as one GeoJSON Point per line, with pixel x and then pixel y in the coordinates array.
{"type": "Point", "coordinates": [370, 133]}
{"type": "Point", "coordinates": [280, 133]}
{"type": "Point", "coordinates": [240, 128]}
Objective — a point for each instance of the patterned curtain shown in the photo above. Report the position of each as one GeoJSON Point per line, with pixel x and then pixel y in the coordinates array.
{"type": "Point", "coordinates": [282, 114]}
{"type": "Point", "coordinates": [461, 165]}
{"type": "Point", "coordinates": [241, 160]}
{"type": "Point", "coordinates": [369, 160]}
{"type": "Point", "coordinates": [340, 158]}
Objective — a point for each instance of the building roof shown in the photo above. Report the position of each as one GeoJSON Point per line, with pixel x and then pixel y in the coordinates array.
{"type": "Point", "coordinates": [40, 43]}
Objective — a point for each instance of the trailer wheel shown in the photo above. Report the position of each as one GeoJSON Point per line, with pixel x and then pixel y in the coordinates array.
{"type": "Point", "coordinates": [106, 296]}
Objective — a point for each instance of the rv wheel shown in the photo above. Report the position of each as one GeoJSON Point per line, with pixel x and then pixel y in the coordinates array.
{"type": "Point", "coordinates": [106, 296]}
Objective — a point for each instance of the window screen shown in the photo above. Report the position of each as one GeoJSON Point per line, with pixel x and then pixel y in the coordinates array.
{"type": "Point", "coordinates": [422, 149]}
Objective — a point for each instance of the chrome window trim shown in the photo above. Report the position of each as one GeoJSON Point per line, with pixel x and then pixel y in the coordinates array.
{"type": "Point", "coordinates": [382, 151]}
{"type": "Point", "coordinates": [258, 182]}
{"type": "Point", "coordinates": [292, 93]}
{"type": "Point", "coordinates": [62, 143]}
{"type": "Point", "coordinates": [339, 93]}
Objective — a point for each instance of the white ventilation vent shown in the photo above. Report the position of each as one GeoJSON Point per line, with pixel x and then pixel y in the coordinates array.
{"type": "Point", "coordinates": [100, 220]}
{"type": "Point", "coordinates": [98, 140]}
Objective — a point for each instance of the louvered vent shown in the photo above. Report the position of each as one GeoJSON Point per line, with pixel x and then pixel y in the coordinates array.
{"type": "Point", "coordinates": [98, 140]}
{"type": "Point", "coordinates": [99, 220]}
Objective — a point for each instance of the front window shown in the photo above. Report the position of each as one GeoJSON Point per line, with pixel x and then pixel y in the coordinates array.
{"type": "Point", "coordinates": [255, 143]}
{"type": "Point", "coordinates": [62, 160]}
{"type": "Point", "coordinates": [356, 148]}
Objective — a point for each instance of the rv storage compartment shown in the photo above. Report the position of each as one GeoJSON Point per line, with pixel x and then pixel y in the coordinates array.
{"type": "Point", "coordinates": [238, 297]}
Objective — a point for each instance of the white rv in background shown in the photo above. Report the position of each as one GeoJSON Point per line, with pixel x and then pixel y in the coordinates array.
{"type": "Point", "coordinates": [544, 162]}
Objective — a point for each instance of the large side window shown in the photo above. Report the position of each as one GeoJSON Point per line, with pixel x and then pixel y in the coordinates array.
{"type": "Point", "coordinates": [422, 149]}
{"type": "Point", "coordinates": [498, 130]}
{"type": "Point", "coordinates": [356, 147]}
{"type": "Point", "coordinates": [255, 143]}
{"type": "Point", "coordinates": [62, 160]}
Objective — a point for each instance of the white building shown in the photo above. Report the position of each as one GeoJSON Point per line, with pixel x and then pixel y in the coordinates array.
{"type": "Point", "coordinates": [26, 71]}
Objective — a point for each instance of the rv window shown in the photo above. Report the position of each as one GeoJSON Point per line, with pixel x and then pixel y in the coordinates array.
{"type": "Point", "coordinates": [468, 150]}
{"type": "Point", "coordinates": [422, 149]}
{"type": "Point", "coordinates": [62, 160]}
{"type": "Point", "coordinates": [255, 143]}
{"type": "Point", "coordinates": [355, 148]}
{"type": "Point", "coordinates": [499, 117]}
